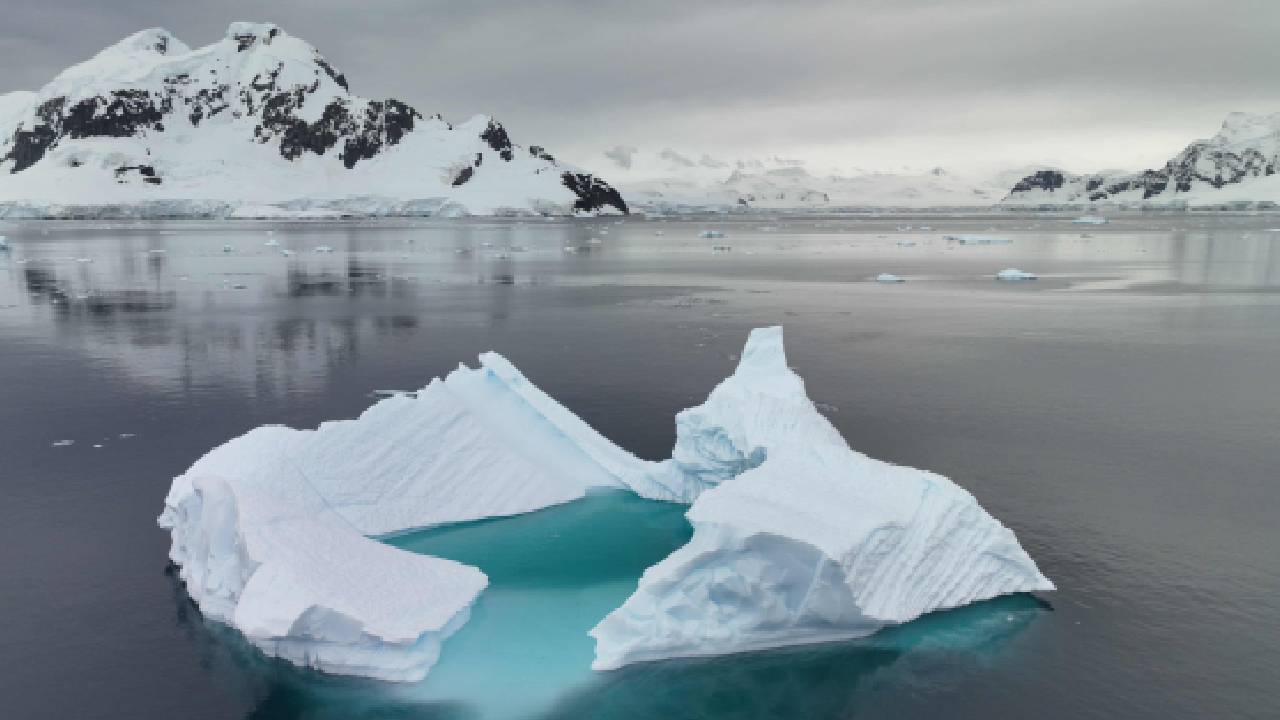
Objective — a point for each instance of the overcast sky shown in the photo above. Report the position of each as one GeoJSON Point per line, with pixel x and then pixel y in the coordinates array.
{"type": "Point", "coordinates": [877, 84]}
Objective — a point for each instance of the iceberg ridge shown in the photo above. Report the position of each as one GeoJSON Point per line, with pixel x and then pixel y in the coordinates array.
{"type": "Point", "coordinates": [271, 529]}
{"type": "Point", "coordinates": [797, 538]}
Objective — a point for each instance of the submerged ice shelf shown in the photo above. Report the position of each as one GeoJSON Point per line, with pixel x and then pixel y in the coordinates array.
{"type": "Point", "coordinates": [796, 537]}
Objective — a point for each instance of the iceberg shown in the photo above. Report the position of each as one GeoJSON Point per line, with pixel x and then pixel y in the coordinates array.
{"type": "Point", "coordinates": [1015, 274]}
{"type": "Point", "coordinates": [798, 538]}
{"type": "Point", "coordinates": [889, 278]}
{"type": "Point", "coordinates": [272, 530]}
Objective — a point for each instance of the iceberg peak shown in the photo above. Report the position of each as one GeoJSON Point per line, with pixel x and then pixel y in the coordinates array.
{"type": "Point", "coordinates": [798, 538]}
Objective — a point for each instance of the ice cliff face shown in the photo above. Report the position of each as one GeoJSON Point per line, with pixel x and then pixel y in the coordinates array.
{"type": "Point", "coordinates": [270, 529]}
{"type": "Point", "coordinates": [261, 117]}
{"type": "Point", "coordinates": [797, 538]}
{"type": "Point", "coordinates": [1237, 164]}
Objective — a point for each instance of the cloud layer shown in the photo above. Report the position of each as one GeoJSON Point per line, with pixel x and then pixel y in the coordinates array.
{"type": "Point", "coordinates": [869, 83]}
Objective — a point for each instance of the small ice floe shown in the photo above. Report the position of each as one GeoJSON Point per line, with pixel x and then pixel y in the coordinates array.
{"type": "Point", "coordinates": [239, 286]}
{"type": "Point", "coordinates": [906, 243]}
{"type": "Point", "coordinates": [125, 436]}
{"type": "Point", "coordinates": [272, 242]}
{"type": "Point", "coordinates": [659, 232]}
{"type": "Point", "coordinates": [157, 251]}
{"type": "Point", "coordinates": [97, 445]}
{"type": "Point", "coordinates": [903, 228]}
{"type": "Point", "coordinates": [708, 234]}
{"type": "Point", "coordinates": [4, 243]}
{"type": "Point", "coordinates": [925, 228]}
{"type": "Point", "coordinates": [1272, 230]}
{"type": "Point", "coordinates": [287, 253]}
{"type": "Point", "coordinates": [84, 260]}
{"type": "Point", "coordinates": [63, 443]}
{"type": "Point", "coordinates": [977, 239]}
{"type": "Point", "coordinates": [1090, 220]}
{"type": "Point", "coordinates": [227, 248]}
{"type": "Point", "coordinates": [323, 249]}
{"type": "Point", "coordinates": [595, 241]}
{"type": "Point", "coordinates": [1015, 274]}
{"type": "Point", "coordinates": [889, 278]}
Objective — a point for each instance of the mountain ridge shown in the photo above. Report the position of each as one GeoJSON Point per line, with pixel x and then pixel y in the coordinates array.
{"type": "Point", "coordinates": [260, 117]}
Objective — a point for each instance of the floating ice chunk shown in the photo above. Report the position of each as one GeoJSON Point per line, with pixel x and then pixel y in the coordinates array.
{"type": "Point", "coordinates": [711, 234]}
{"type": "Point", "coordinates": [272, 242]}
{"type": "Point", "coordinates": [323, 249]}
{"type": "Point", "coordinates": [4, 243]}
{"type": "Point", "coordinates": [889, 278]}
{"type": "Point", "coordinates": [1090, 220]}
{"type": "Point", "coordinates": [270, 528]}
{"type": "Point", "coordinates": [227, 248]}
{"type": "Point", "coordinates": [1015, 274]}
{"type": "Point", "coordinates": [63, 443]}
{"type": "Point", "coordinates": [797, 538]}
{"type": "Point", "coordinates": [84, 260]}
{"type": "Point", "coordinates": [906, 243]}
{"type": "Point", "coordinates": [977, 239]}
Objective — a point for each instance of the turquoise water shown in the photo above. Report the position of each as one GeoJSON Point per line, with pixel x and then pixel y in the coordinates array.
{"type": "Point", "coordinates": [553, 575]}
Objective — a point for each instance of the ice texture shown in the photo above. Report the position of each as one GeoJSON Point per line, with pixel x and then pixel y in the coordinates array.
{"type": "Point", "coordinates": [797, 538]}
{"type": "Point", "coordinates": [889, 278]}
{"type": "Point", "coordinates": [271, 530]}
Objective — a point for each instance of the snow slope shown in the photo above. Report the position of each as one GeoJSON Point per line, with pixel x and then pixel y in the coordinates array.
{"type": "Point", "coordinates": [151, 127]}
{"type": "Point", "coordinates": [1237, 165]}
{"type": "Point", "coordinates": [270, 529]}
{"type": "Point", "coordinates": [668, 181]}
{"type": "Point", "coordinates": [797, 538]}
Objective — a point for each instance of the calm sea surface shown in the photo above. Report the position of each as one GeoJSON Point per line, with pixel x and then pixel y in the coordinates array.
{"type": "Point", "coordinates": [1121, 414]}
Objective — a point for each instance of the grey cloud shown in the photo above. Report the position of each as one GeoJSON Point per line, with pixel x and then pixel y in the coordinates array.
{"type": "Point", "coordinates": [922, 82]}
{"type": "Point", "coordinates": [621, 154]}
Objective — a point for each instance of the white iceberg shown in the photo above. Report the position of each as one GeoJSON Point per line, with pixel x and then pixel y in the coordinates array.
{"type": "Point", "coordinates": [1015, 274]}
{"type": "Point", "coordinates": [889, 278]}
{"type": "Point", "coordinates": [797, 538]}
{"type": "Point", "coordinates": [270, 529]}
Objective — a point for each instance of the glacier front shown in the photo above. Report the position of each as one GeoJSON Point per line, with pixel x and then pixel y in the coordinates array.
{"type": "Point", "coordinates": [271, 530]}
{"type": "Point", "coordinates": [797, 538]}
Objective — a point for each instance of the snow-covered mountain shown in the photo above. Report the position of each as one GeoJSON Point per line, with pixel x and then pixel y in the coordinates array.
{"type": "Point", "coordinates": [668, 180]}
{"type": "Point", "coordinates": [1237, 165]}
{"type": "Point", "coordinates": [258, 123]}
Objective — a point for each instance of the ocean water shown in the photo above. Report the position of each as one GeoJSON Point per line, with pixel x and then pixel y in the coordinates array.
{"type": "Point", "coordinates": [1121, 414]}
